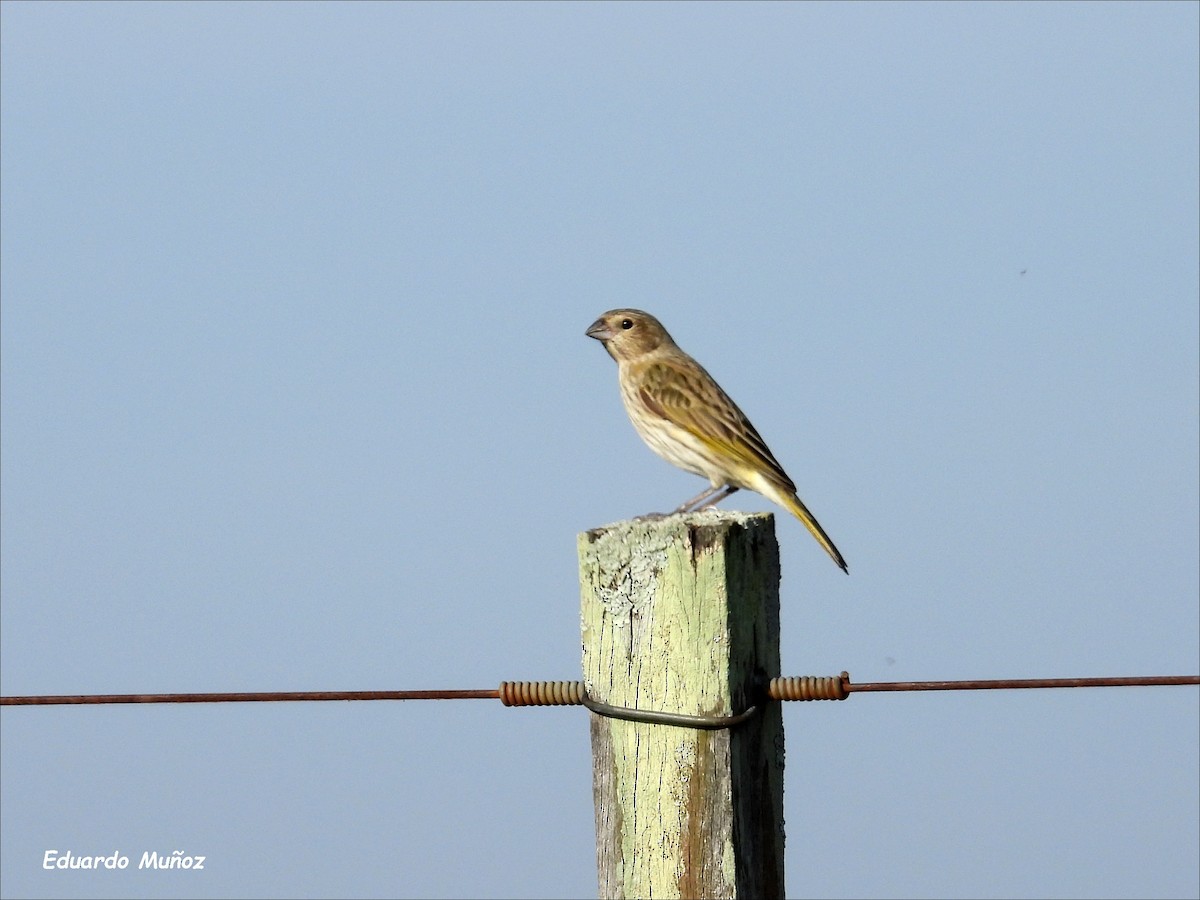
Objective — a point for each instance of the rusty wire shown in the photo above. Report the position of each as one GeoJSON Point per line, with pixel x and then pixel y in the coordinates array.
{"type": "Point", "coordinates": [571, 693]}
{"type": "Point", "coordinates": [1014, 683]}
{"type": "Point", "coordinates": [260, 697]}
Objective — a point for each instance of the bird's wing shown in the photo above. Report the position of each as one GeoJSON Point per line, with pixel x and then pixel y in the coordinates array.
{"type": "Point", "coordinates": [687, 396]}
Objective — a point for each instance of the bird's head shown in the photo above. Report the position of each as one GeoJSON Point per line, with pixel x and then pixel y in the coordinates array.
{"type": "Point", "coordinates": [629, 333]}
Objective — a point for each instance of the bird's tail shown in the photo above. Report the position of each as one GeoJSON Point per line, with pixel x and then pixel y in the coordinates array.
{"type": "Point", "coordinates": [796, 507]}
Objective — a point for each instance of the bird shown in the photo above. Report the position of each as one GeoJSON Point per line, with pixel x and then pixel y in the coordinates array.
{"type": "Point", "coordinates": [685, 417]}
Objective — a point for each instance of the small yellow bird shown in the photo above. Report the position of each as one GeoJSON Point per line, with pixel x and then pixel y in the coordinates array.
{"type": "Point", "coordinates": [683, 415]}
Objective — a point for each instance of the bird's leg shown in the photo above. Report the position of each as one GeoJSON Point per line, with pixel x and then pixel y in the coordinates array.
{"type": "Point", "coordinates": [697, 500]}
{"type": "Point", "coordinates": [704, 496]}
{"type": "Point", "coordinates": [712, 504]}
{"type": "Point", "coordinates": [704, 500]}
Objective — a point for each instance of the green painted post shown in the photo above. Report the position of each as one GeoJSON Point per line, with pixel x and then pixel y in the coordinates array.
{"type": "Point", "coordinates": [681, 615]}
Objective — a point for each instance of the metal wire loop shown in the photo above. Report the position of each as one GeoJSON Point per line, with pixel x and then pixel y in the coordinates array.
{"type": "Point", "coordinates": [681, 720]}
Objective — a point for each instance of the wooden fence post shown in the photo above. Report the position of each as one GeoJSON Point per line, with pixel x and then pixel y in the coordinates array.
{"type": "Point", "coordinates": [682, 615]}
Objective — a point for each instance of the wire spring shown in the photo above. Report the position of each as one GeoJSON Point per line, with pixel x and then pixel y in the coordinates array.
{"type": "Point", "coordinates": [810, 687]}
{"type": "Point", "coordinates": [541, 693]}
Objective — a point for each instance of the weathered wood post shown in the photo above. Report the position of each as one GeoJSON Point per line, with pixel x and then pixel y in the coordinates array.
{"type": "Point", "coordinates": [682, 615]}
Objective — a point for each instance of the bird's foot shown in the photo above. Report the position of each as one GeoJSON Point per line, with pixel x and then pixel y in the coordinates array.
{"type": "Point", "coordinates": [651, 517]}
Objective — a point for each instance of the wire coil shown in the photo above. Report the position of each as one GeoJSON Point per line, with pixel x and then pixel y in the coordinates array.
{"type": "Point", "coordinates": [541, 693]}
{"type": "Point", "coordinates": [810, 687]}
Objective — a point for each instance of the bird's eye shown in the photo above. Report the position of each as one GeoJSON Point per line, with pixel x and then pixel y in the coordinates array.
{"type": "Point", "coordinates": [627, 324]}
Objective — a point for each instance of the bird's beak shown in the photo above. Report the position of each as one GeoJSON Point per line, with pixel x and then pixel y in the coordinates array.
{"type": "Point", "coordinates": [599, 330]}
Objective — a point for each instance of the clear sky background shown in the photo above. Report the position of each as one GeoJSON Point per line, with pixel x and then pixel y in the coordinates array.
{"type": "Point", "coordinates": [296, 396]}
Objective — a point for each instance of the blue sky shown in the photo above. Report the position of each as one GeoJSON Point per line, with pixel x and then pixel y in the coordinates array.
{"type": "Point", "coordinates": [296, 396]}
